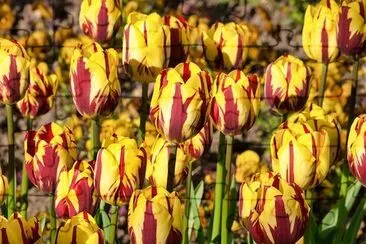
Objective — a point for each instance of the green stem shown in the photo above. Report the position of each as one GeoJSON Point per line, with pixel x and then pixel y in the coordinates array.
{"type": "Point", "coordinates": [95, 141]}
{"type": "Point", "coordinates": [52, 217]}
{"type": "Point", "coordinates": [225, 221]}
{"type": "Point", "coordinates": [345, 170]}
{"type": "Point", "coordinates": [114, 223]}
{"type": "Point", "coordinates": [323, 83]}
{"type": "Point", "coordinates": [171, 167]}
{"type": "Point", "coordinates": [187, 205]}
{"type": "Point", "coordinates": [11, 199]}
{"type": "Point", "coordinates": [219, 188]}
{"type": "Point", "coordinates": [309, 236]}
{"type": "Point", "coordinates": [25, 182]}
{"type": "Point", "coordinates": [143, 115]}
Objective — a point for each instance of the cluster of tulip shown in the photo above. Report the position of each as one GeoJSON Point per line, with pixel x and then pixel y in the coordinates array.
{"type": "Point", "coordinates": [187, 102]}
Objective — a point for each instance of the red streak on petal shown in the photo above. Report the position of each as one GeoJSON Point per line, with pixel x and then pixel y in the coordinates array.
{"type": "Point", "coordinates": [102, 26]}
{"type": "Point", "coordinates": [149, 228]}
{"type": "Point", "coordinates": [290, 170]}
{"type": "Point", "coordinates": [324, 43]}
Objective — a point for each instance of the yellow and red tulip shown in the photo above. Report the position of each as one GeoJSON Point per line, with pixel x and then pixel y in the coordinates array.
{"type": "Point", "coordinates": [155, 216]}
{"type": "Point", "coordinates": [40, 95]}
{"type": "Point", "coordinates": [75, 190]}
{"type": "Point", "coordinates": [356, 149]}
{"type": "Point", "coordinates": [200, 143]}
{"type": "Point", "coordinates": [119, 169]}
{"type": "Point", "coordinates": [180, 103]}
{"type": "Point", "coordinates": [18, 230]}
{"type": "Point", "coordinates": [235, 102]}
{"type": "Point", "coordinates": [248, 163]}
{"type": "Point", "coordinates": [287, 84]}
{"type": "Point", "coordinates": [146, 46]}
{"type": "Point", "coordinates": [304, 148]}
{"type": "Point", "coordinates": [179, 43]}
{"type": "Point", "coordinates": [352, 27]}
{"type": "Point", "coordinates": [95, 86]}
{"type": "Point", "coordinates": [14, 71]}
{"type": "Point", "coordinates": [80, 228]}
{"type": "Point", "coordinates": [273, 210]}
{"type": "Point", "coordinates": [225, 45]}
{"type": "Point", "coordinates": [48, 151]}
{"type": "Point", "coordinates": [99, 19]}
{"type": "Point", "coordinates": [319, 34]}
{"type": "Point", "coordinates": [158, 167]}
{"type": "Point", "coordinates": [3, 186]}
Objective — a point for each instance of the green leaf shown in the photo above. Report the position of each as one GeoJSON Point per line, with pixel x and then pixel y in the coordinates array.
{"type": "Point", "coordinates": [194, 219]}
{"type": "Point", "coordinates": [351, 232]}
{"type": "Point", "coordinates": [106, 223]}
{"type": "Point", "coordinates": [352, 194]}
{"type": "Point", "coordinates": [232, 207]}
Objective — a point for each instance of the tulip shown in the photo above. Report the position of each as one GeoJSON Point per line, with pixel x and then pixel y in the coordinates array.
{"type": "Point", "coordinates": [40, 95]}
{"type": "Point", "coordinates": [80, 228]}
{"type": "Point", "coordinates": [319, 34]}
{"type": "Point", "coordinates": [7, 17]}
{"type": "Point", "coordinates": [224, 45]}
{"type": "Point", "coordinates": [75, 190]}
{"type": "Point", "coordinates": [158, 167]}
{"type": "Point", "coordinates": [180, 103]}
{"type": "Point", "coordinates": [99, 19]}
{"type": "Point", "coordinates": [302, 148]}
{"type": "Point", "coordinates": [18, 230]}
{"type": "Point", "coordinates": [94, 81]}
{"type": "Point", "coordinates": [356, 148]}
{"type": "Point", "coordinates": [287, 84]}
{"type": "Point", "coordinates": [179, 34]}
{"type": "Point", "coordinates": [146, 46]}
{"type": "Point", "coordinates": [352, 27]}
{"type": "Point", "coordinates": [14, 74]}
{"type": "Point", "coordinates": [155, 216]}
{"type": "Point", "coordinates": [200, 143]}
{"type": "Point", "coordinates": [48, 151]}
{"type": "Point", "coordinates": [3, 186]}
{"type": "Point", "coordinates": [235, 102]}
{"type": "Point", "coordinates": [273, 210]}
{"type": "Point", "coordinates": [119, 169]}
{"type": "Point", "coordinates": [248, 163]}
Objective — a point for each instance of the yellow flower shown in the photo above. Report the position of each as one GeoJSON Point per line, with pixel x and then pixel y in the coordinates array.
{"type": "Point", "coordinates": [18, 230]}
{"type": "Point", "coordinates": [247, 164]}
{"type": "Point", "coordinates": [180, 103]}
{"type": "Point", "coordinates": [81, 228]}
{"type": "Point", "coordinates": [287, 84]}
{"type": "Point", "coordinates": [273, 210]}
{"type": "Point", "coordinates": [3, 186]}
{"type": "Point", "coordinates": [235, 102]}
{"type": "Point", "coordinates": [99, 19]}
{"type": "Point", "coordinates": [225, 45]}
{"type": "Point", "coordinates": [155, 216]}
{"type": "Point", "coordinates": [319, 34]}
{"type": "Point", "coordinates": [94, 80]}
{"type": "Point", "coordinates": [146, 46]}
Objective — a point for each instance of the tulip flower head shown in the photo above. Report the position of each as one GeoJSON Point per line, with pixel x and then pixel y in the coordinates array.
{"type": "Point", "coordinates": [75, 190]}
{"type": "Point", "coordinates": [352, 27]}
{"type": "Point", "coordinates": [80, 229]}
{"type": "Point", "coordinates": [224, 45]}
{"type": "Point", "coordinates": [319, 34]}
{"type": "Point", "coordinates": [158, 167]}
{"type": "Point", "coordinates": [146, 46]}
{"type": "Point", "coordinates": [119, 169]}
{"type": "Point", "coordinates": [356, 149]}
{"type": "Point", "coordinates": [48, 151]}
{"type": "Point", "coordinates": [179, 34]}
{"type": "Point", "coordinates": [40, 95]}
{"type": "Point", "coordinates": [18, 230]}
{"type": "Point", "coordinates": [99, 19]}
{"type": "Point", "coordinates": [248, 163]}
{"type": "Point", "coordinates": [95, 86]}
{"type": "Point", "coordinates": [273, 210]}
{"type": "Point", "coordinates": [180, 103]}
{"type": "Point", "coordinates": [155, 216]}
{"type": "Point", "coordinates": [235, 102]}
{"type": "Point", "coordinates": [304, 147]}
{"type": "Point", "coordinates": [14, 73]}
{"type": "Point", "coordinates": [287, 84]}
{"type": "Point", "coordinates": [200, 143]}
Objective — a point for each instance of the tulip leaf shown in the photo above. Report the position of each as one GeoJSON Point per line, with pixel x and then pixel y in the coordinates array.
{"type": "Point", "coordinates": [106, 223]}
{"type": "Point", "coordinates": [351, 233]}
{"type": "Point", "coordinates": [194, 220]}
{"type": "Point", "coordinates": [328, 226]}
